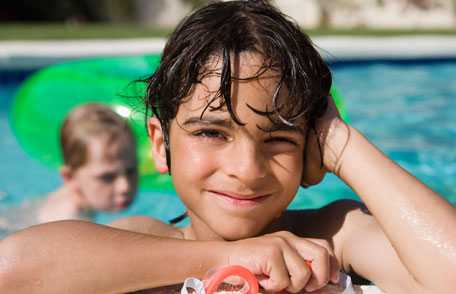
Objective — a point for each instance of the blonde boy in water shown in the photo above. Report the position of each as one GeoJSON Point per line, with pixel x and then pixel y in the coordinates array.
{"type": "Point", "coordinates": [242, 118]}
{"type": "Point", "coordinates": [99, 169]}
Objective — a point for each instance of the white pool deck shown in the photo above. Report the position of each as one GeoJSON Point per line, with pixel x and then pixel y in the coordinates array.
{"type": "Point", "coordinates": [35, 54]}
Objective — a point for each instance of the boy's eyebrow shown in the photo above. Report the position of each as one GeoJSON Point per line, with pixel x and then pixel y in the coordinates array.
{"type": "Point", "coordinates": [223, 122]}
{"type": "Point", "coordinates": [281, 127]}
{"type": "Point", "coordinates": [227, 123]}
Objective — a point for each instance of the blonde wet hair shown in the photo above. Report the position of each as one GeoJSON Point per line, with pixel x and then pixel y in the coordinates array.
{"type": "Point", "coordinates": [87, 122]}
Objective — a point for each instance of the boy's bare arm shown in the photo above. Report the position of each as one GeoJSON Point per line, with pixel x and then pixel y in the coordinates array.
{"type": "Point", "coordinates": [147, 225]}
{"type": "Point", "coordinates": [81, 257]}
{"type": "Point", "coordinates": [409, 217]}
{"type": "Point", "coordinates": [362, 247]}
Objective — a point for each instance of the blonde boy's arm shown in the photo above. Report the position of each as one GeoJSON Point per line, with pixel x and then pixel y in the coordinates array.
{"type": "Point", "coordinates": [409, 217]}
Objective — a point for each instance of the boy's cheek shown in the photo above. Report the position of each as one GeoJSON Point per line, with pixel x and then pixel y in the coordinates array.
{"type": "Point", "coordinates": [288, 162]}
{"type": "Point", "coordinates": [192, 162]}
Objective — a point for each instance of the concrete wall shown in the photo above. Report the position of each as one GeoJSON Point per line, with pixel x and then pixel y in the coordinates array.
{"type": "Point", "coordinates": [333, 13]}
{"type": "Point", "coordinates": [391, 13]}
{"type": "Point", "coordinates": [307, 13]}
{"type": "Point", "coordinates": [162, 13]}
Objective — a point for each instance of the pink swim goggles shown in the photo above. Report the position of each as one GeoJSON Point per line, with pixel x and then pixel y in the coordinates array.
{"type": "Point", "coordinates": [223, 279]}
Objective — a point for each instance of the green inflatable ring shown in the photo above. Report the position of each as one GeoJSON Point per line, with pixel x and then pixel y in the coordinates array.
{"type": "Point", "coordinates": [45, 98]}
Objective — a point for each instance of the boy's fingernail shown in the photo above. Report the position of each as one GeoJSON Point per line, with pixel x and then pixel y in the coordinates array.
{"type": "Point", "coordinates": [310, 289]}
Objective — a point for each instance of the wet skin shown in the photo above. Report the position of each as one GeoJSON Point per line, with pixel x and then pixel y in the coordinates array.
{"type": "Point", "coordinates": [234, 179]}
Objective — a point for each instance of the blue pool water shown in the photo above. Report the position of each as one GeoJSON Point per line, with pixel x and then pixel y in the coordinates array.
{"type": "Point", "coordinates": [406, 109]}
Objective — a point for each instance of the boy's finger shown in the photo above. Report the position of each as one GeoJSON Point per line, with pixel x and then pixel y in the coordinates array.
{"type": "Point", "coordinates": [333, 262]}
{"type": "Point", "coordinates": [298, 269]}
{"type": "Point", "coordinates": [321, 264]}
{"type": "Point", "coordinates": [335, 270]}
{"type": "Point", "coordinates": [324, 265]}
{"type": "Point", "coordinates": [275, 277]}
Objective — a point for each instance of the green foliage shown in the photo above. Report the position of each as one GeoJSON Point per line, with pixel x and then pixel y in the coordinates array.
{"type": "Point", "coordinates": [124, 31]}
{"type": "Point", "coordinates": [78, 31]}
{"type": "Point", "coordinates": [196, 3]}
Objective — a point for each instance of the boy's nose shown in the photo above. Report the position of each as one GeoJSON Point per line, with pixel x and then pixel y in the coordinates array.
{"type": "Point", "coordinates": [246, 162]}
{"type": "Point", "coordinates": [123, 184]}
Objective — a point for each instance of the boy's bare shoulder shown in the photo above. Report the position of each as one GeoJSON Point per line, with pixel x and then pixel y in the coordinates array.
{"type": "Point", "coordinates": [147, 225]}
{"type": "Point", "coordinates": [328, 222]}
{"type": "Point", "coordinates": [340, 223]}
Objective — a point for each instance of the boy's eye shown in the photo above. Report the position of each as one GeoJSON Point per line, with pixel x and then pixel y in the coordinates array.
{"type": "Point", "coordinates": [281, 140]}
{"type": "Point", "coordinates": [107, 178]}
{"type": "Point", "coordinates": [209, 133]}
{"type": "Point", "coordinates": [276, 145]}
{"type": "Point", "coordinates": [131, 171]}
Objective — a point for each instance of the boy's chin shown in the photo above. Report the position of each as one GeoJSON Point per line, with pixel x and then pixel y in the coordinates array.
{"type": "Point", "coordinates": [238, 230]}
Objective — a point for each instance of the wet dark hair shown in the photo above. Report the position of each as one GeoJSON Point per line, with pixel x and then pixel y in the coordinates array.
{"type": "Point", "coordinates": [223, 30]}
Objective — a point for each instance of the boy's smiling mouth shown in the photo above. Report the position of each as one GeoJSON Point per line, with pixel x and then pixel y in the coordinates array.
{"type": "Point", "coordinates": [240, 200]}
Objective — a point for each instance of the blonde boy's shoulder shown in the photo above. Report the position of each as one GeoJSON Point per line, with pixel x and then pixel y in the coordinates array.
{"type": "Point", "coordinates": [58, 205]}
{"type": "Point", "coordinates": [147, 225]}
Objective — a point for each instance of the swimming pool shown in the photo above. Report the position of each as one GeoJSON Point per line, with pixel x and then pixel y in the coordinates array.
{"type": "Point", "coordinates": [406, 108]}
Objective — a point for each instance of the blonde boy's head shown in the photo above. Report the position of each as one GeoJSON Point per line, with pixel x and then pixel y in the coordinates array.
{"type": "Point", "coordinates": [86, 123]}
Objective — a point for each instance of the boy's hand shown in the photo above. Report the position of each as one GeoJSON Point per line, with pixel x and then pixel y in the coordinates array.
{"type": "Point", "coordinates": [283, 261]}
{"type": "Point", "coordinates": [332, 134]}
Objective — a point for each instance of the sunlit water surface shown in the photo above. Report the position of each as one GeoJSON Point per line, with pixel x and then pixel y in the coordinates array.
{"type": "Point", "coordinates": [406, 109]}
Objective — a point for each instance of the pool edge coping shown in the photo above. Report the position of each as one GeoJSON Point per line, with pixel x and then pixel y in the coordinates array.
{"type": "Point", "coordinates": [25, 55]}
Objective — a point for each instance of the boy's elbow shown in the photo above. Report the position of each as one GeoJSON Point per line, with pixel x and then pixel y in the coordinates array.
{"type": "Point", "coordinates": [12, 267]}
{"type": "Point", "coordinates": [7, 277]}
{"type": "Point", "coordinates": [447, 284]}
{"type": "Point", "coordinates": [442, 284]}
{"type": "Point", "coordinates": [441, 279]}
{"type": "Point", "coordinates": [9, 256]}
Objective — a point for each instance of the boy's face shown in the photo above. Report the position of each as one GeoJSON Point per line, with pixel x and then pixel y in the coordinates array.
{"type": "Point", "coordinates": [234, 179]}
{"type": "Point", "coordinates": [108, 180]}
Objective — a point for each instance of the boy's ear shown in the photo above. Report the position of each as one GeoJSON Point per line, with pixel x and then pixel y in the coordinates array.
{"type": "Point", "coordinates": [66, 173]}
{"type": "Point", "coordinates": [69, 180]}
{"type": "Point", "coordinates": [157, 140]}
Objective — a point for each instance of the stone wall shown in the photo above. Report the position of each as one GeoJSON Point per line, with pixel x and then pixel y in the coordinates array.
{"type": "Point", "coordinates": [162, 13]}
{"type": "Point", "coordinates": [332, 13]}
{"type": "Point", "coordinates": [390, 13]}
{"type": "Point", "coordinates": [307, 13]}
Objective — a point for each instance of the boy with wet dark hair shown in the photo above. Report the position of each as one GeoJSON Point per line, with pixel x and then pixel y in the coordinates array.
{"type": "Point", "coordinates": [223, 30]}
{"type": "Point", "coordinates": [242, 119]}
